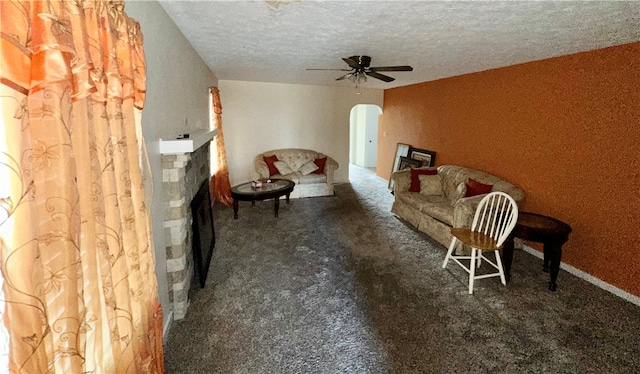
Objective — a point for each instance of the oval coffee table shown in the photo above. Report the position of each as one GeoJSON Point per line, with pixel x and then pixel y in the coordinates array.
{"type": "Point", "coordinates": [272, 190]}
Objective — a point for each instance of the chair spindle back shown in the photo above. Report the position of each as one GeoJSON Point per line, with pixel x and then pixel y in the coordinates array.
{"type": "Point", "coordinates": [496, 216]}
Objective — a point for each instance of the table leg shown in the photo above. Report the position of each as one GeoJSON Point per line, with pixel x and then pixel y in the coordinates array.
{"type": "Point", "coordinates": [545, 262]}
{"type": "Point", "coordinates": [276, 206]}
{"type": "Point", "coordinates": [235, 209]}
{"type": "Point", "coordinates": [507, 257]}
{"type": "Point", "coordinates": [554, 252]}
{"type": "Point", "coordinates": [287, 198]}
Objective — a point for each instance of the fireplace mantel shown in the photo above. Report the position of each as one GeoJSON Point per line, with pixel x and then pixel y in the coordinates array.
{"type": "Point", "coordinates": [185, 167]}
{"type": "Point", "coordinates": [197, 138]}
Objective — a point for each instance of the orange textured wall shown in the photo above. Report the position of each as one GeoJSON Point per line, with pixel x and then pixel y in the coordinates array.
{"type": "Point", "coordinates": [566, 130]}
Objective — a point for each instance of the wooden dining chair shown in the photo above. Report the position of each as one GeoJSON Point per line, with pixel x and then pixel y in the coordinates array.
{"type": "Point", "coordinates": [494, 220]}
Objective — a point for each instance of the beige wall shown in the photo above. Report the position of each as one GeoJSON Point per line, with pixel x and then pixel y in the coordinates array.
{"type": "Point", "coordinates": [177, 89]}
{"type": "Point", "coordinates": [258, 117]}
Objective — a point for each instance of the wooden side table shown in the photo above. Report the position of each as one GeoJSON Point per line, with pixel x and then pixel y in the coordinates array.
{"type": "Point", "coordinates": [552, 233]}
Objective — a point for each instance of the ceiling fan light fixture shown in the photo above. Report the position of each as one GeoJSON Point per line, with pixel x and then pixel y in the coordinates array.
{"type": "Point", "coordinates": [360, 68]}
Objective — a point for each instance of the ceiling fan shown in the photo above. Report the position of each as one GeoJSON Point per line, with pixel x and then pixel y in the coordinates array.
{"type": "Point", "coordinates": [360, 69]}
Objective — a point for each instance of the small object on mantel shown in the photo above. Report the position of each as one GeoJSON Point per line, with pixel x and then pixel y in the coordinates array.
{"type": "Point", "coordinates": [183, 136]}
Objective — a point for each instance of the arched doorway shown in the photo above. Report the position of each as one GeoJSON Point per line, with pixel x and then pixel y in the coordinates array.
{"type": "Point", "coordinates": [363, 135]}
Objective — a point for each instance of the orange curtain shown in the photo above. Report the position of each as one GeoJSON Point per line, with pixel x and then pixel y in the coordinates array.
{"type": "Point", "coordinates": [78, 288]}
{"type": "Point", "coordinates": [220, 185]}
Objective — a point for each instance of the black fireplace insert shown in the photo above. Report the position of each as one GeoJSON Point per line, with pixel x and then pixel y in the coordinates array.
{"type": "Point", "coordinates": [204, 237]}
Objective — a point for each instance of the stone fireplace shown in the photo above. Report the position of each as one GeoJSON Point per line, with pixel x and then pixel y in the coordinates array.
{"type": "Point", "coordinates": [185, 166]}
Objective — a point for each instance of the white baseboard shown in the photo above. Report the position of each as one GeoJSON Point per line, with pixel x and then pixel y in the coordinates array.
{"type": "Point", "coordinates": [166, 327]}
{"type": "Point", "coordinates": [589, 278]}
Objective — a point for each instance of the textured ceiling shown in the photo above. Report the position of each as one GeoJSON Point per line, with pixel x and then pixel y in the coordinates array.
{"type": "Point", "coordinates": [275, 41]}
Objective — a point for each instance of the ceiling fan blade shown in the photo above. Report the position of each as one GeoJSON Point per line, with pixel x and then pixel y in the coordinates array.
{"type": "Point", "coordinates": [353, 63]}
{"type": "Point", "coordinates": [382, 77]}
{"type": "Point", "coordinates": [344, 76]}
{"type": "Point", "coordinates": [392, 68]}
{"type": "Point", "coordinates": [332, 69]}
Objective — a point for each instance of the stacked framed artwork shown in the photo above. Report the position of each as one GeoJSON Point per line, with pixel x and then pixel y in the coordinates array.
{"type": "Point", "coordinates": [408, 157]}
{"type": "Point", "coordinates": [402, 150]}
{"type": "Point", "coordinates": [406, 163]}
{"type": "Point", "coordinates": [427, 158]}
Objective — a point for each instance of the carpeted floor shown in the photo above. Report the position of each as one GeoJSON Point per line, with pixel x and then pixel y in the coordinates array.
{"type": "Point", "coordinates": [339, 285]}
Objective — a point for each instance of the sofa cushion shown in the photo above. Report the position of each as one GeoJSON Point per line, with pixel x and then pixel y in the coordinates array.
{"type": "Point", "coordinates": [310, 178]}
{"type": "Point", "coordinates": [297, 178]}
{"type": "Point", "coordinates": [430, 184]}
{"type": "Point", "coordinates": [270, 160]}
{"type": "Point", "coordinates": [283, 168]}
{"type": "Point", "coordinates": [465, 210]}
{"type": "Point", "coordinates": [308, 168]}
{"type": "Point", "coordinates": [475, 188]}
{"type": "Point", "coordinates": [291, 176]}
{"type": "Point", "coordinates": [439, 208]}
{"type": "Point", "coordinates": [435, 206]}
{"type": "Point", "coordinates": [320, 162]}
{"type": "Point", "coordinates": [415, 173]}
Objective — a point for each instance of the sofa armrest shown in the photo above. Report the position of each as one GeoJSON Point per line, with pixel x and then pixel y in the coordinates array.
{"type": "Point", "coordinates": [261, 167]}
{"type": "Point", "coordinates": [401, 181]}
{"type": "Point", "coordinates": [465, 209]}
{"type": "Point", "coordinates": [511, 190]}
{"type": "Point", "coordinates": [329, 169]}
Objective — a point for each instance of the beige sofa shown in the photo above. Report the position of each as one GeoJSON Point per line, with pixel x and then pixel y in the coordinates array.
{"type": "Point", "coordinates": [436, 214]}
{"type": "Point", "coordinates": [308, 185]}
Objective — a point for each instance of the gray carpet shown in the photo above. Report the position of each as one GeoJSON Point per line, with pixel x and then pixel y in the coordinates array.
{"type": "Point", "coordinates": [340, 285]}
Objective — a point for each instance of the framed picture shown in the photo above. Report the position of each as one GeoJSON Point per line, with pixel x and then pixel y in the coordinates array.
{"type": "Point", "coordinates": [402, 150]}
{"type": "Point", "coordinates": [428, 158]}
{"type": "Point", "coordinates": [406, 163]}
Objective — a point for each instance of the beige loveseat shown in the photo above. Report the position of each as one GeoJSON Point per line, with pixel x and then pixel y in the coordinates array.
{"type": "Point", "coordinates": [307, 185]}
{"type": "Point", "coordinates": [435, 213]}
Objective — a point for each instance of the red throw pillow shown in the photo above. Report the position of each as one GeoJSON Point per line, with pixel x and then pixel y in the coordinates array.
{"type": "Point", "coordinates": [476, 188]}
{"type": "Point", "coordinates": [320, 162]}
{"type": "Point", "coordinates": [269, 160]}
{"type": "Point", "coordinates": [415, 181]}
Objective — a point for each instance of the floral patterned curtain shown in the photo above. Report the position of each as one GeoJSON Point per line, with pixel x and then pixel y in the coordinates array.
{"type": "Point", "coordinates": [78, 288]}
{"type": "Point", "coordinates": [220, 185]}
